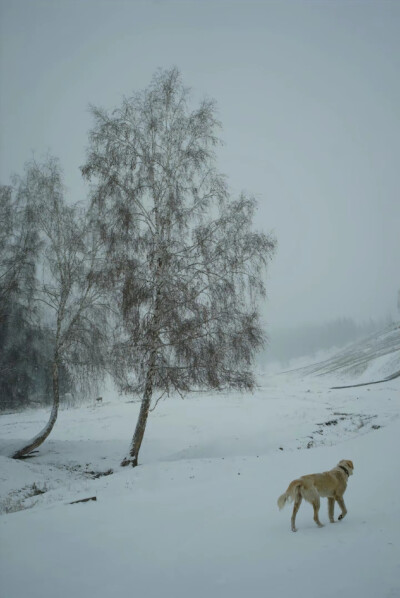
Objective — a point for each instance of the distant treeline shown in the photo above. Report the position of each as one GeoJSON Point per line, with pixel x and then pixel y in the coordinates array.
{"type": "Point", "coordinates": [286, 344]}
{"type": "Point", "coordinates": [26, 356]}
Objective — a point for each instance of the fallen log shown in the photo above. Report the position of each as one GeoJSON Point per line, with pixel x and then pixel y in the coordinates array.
{"type": "Point", "coordinates": [74, 502]}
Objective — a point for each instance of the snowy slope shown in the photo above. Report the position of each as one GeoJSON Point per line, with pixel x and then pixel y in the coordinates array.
{"type": "Point", "coordinates": [199, 516]}
{"type": "Point", "coordinates": [373, 358]}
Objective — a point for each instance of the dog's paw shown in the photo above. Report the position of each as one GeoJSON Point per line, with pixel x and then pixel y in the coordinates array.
{"type": "Point", "coordinates": [341, 516]}
{"type": "Point", "coordinates": [294, 529]}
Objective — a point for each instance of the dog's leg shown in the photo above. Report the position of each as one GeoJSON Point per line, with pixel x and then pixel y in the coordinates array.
{"type": "Point", "coordinates": [316, 505]}
{"type": "Point", "coordinates": [331, 509]}
{"type": "Point", "coordinates": [342, 506]}
{"type": "Point", "coordinates": [296, 507]}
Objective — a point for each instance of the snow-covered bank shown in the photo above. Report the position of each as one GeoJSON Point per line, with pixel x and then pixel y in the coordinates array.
{"type": "Point", "coordinates": [199, 516]}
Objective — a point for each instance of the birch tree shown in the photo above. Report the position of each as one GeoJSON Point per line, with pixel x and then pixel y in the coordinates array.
{"type": "Point", "coordinates": [185, 263]}
{"type": "Point", "coordinates": [73, 306]}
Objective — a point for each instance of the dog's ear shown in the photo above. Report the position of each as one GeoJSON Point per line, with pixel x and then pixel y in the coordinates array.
{"type": "Point", "coordinates": [350, 464]}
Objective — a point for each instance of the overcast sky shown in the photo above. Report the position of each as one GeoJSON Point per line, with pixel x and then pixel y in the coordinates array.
{"type": "Point", "coordinates": [309, 96]}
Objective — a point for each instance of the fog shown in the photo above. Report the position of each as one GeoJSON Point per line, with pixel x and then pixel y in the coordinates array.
{"type": "Point", "coordinates": [308, 95]}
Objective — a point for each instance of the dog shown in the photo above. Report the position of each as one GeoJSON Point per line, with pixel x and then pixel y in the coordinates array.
{"type": "Point", "coordinates": [330, 484]}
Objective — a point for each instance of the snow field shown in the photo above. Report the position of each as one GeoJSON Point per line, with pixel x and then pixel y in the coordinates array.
{"type": "Point", "coordinates": [199, 516]}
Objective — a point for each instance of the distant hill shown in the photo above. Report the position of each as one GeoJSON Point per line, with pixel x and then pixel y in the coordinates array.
{"type": "Point", "coordinates": [286, 344]}
{"type": "Point", "coordinates": [374, 358]}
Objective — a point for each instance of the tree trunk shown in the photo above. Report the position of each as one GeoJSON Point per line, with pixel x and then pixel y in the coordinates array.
{"type": "Point", "coordinates": [41, 437]}
{"type": "Point", "coordinates": [137, 439]}
{"type": "Point", "coordinates": [136, 443]}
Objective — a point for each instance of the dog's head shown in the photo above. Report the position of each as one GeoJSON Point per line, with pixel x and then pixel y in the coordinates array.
{"type": "Point", "coordinates": [347, 464]}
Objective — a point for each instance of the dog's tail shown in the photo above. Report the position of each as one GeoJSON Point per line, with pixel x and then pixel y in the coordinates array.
{"type": "Point", "coordinates": [290, 494]}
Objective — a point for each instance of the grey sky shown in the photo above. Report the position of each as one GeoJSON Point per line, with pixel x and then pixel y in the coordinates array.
{"type": "Point", "coordinates": [309, 97]}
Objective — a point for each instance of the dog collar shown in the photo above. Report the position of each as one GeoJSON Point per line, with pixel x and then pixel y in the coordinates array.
{"type": "Point", "coordinates": [345, 470]}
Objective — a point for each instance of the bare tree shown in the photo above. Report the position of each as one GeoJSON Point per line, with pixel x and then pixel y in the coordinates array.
{"type": "Point", "coordinates": [183, 257]}
{"type": "Point", "coordinates": [74, 307]}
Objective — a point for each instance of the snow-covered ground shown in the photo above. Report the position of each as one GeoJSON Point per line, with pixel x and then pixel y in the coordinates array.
{"type": "Point", "coordinates": [199, 517]}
